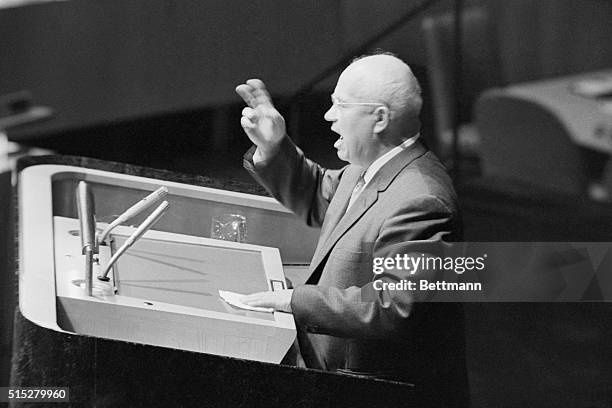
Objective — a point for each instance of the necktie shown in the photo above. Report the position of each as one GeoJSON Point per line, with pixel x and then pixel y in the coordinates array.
{"type": "Point", "coordinates": [356, 191]}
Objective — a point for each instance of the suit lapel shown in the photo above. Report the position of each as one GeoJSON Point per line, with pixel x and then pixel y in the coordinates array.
{"type": "Point", "coordinates": [341, 220]}
{"type": "Point", "coordinates": [337, 208]}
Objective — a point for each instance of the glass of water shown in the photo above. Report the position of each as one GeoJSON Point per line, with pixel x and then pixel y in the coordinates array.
{"type": "Point", "coordinates": [229, 227]}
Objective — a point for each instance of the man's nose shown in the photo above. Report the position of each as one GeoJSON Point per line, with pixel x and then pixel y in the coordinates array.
{"type": "Point", "coordinates": [330, 115]}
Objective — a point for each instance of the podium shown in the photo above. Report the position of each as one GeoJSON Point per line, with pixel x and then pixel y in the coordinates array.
{"type": "Point", "coordinates": [107, 372]}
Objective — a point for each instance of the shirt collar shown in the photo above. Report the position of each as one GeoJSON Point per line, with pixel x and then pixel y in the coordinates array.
{"type": "Point", "coordinates": [382, 160]}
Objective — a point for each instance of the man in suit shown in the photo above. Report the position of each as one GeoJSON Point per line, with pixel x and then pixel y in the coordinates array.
{"type": "Point", "coordinates": [394, 197]}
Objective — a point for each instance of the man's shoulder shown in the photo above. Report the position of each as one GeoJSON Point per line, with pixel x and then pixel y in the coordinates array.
{"type": "Point", "coordinates": [423, 178]}
{"type": "Point", "coordinates": [427, 169]}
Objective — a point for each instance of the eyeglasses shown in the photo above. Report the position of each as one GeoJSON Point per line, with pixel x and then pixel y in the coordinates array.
{"type": "Point", "coordinates": [336, 102]}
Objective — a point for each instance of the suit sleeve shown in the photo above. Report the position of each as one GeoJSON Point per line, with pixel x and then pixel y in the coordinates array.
{"type": "Point", "coordinates": [298, 183]}
{"type": "Point", "coordinates": [365, 312]}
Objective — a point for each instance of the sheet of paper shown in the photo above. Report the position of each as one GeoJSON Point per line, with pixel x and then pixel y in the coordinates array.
{"type": "Point", "coordinates": [233, 299]}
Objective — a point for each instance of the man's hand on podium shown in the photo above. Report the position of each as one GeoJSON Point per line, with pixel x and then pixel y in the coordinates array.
{"type": "Point", "coordinates": [278, 300]}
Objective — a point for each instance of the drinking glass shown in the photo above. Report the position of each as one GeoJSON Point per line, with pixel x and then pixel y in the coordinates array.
{"type": "Point", "coordinates": [229, 227]}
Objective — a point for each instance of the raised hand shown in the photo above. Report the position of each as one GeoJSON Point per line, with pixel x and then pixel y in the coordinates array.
{"type": "Point", "coordinates": [260, 120]}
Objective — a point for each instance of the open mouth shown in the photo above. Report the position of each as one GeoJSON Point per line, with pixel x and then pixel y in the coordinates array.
{"type": "Point", "coordinates": [339, 142]}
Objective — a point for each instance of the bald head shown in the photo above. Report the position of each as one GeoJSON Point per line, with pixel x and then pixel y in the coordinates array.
{"type": "Point", "coordinates": [387, 79]}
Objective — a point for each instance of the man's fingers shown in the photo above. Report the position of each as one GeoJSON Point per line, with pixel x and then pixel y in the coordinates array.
{"type": "Point", "coordinates": [246, 123]}
{"type": "Point", "coordinates": [246, 92]}
{"type": "Point", "coordinates": [259, 303]}
{"type": "Point", "coordinates": [262, 123]}
{"type": "Point", "coordinates": [250, 128]}
{"type": "Point", "coordinates": [278, 300]}
{"type": "Point", "coordinates": [254, 93]}
{"type": "Point", "coordinates": [249, 113]}
{"type": "Point", "coordinates": [260, 92]}
{"type": "Point", "coordinates": [252, 296]}
{"type": "Point", "coordinates": [255, 299]}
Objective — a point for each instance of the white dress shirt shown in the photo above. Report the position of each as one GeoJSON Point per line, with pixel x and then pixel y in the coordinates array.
{"type": "Point", "coordinates": [377, 164]}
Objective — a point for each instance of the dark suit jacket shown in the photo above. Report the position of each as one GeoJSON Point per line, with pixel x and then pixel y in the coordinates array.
{"type": "Point", "coordinates": [343, 324]}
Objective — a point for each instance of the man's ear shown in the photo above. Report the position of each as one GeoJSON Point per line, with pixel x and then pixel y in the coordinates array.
{"type": "Point", "coordinates": [383, 115]}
